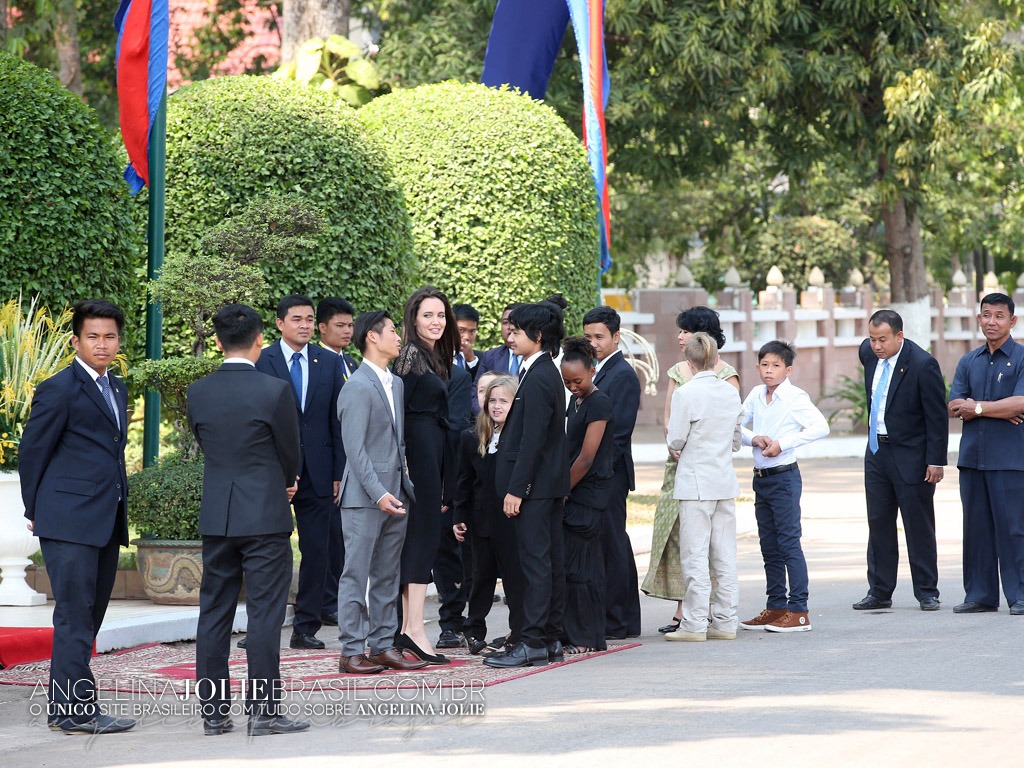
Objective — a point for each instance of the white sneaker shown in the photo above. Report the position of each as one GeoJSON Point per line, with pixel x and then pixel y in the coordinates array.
{"type": "Point", "coordinates": [681, 635]}
{"type": "Point", "coordinates": [718, 634]}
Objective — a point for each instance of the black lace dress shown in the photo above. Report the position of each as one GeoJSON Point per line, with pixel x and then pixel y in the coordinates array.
{"type": "Point", "coordinates": [426, 446]}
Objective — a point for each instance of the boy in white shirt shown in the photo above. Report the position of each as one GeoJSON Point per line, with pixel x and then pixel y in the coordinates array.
{"type": "Point", "coordinates": [778, 418]}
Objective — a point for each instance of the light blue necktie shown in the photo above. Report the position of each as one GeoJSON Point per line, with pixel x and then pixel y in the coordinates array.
{"type": "Point", "coordinates": [876, 404]}
{"type": "Point", "coordinates": [296, 371]}
{"type": "Point", "coordinates": [513, 365]}
{"type": "Point", "coordinates": [108, 395]}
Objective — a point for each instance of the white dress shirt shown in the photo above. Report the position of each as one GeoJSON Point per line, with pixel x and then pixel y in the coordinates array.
{"type": "Point", "coordinates": [600, 363]}
{"type": "Point", "coordinates": [791, 418]}
{"type": "Point", "coordinates": [385, 378]}
{"type": "Point", "coordinates": [528, 362]}
{"type": "Point", "coordinates": [884, 395]}
{"type": "Point", "coordinates": [95, 377]}
{"type": "Point", "coordinates": [245, 360]}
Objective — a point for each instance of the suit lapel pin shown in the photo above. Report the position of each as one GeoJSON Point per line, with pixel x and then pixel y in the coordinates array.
{"type": "Point", "coordinates": [315, 360]}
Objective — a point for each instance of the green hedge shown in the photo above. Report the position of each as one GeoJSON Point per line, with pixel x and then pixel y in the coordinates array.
{"type": "Point", "coordinates": [163, 501]}
{"type": "Point", "coordinates": [798, 244]}
{"type": "Point", "coordinates": [234, 139]}
{"type": "Point", "coordinates": [500, 195]}
{"type": "Point", "coordinates": [66, 228]}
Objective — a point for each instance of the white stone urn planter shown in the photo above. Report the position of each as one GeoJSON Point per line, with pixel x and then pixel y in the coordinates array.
{"type": "Point", "coordinates": [16, 544]}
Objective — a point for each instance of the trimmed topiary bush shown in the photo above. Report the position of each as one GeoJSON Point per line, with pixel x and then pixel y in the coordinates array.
{"type": "Point", "coordinates": [500, 194]}
{"type": "Point", "coordinates": [66, 229]}
{"type": "Point", "coordinates": [233, 140]}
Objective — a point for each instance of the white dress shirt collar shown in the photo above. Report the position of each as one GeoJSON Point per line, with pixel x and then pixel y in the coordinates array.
{"type": "Point", "coordinates": [528, 362]}
{"type": "Point", "coordinates": [601, 363]}
{"type": "Point", "coordinates": [244, 360]}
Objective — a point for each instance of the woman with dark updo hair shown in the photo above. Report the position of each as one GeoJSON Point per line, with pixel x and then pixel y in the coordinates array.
{"type": "Point", "coordinates": [665, 573]}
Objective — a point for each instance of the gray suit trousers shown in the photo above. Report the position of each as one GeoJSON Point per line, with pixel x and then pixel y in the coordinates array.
{"type": "Point", "coordinates": [373, 552]}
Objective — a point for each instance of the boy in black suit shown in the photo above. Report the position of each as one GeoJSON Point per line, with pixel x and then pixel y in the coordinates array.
{"type": "Point", "coordinates": [335, 321]}
{"type": "Point", "coordinates": [532, 474]}
{"type": "Point", "coordinates": [73, 483]}
{"type": "Point", "coordinates": [315, 376]}
{"type": "Point", "coordinates": [617, 379]}
{"type": "Point", "coordinates": [246, 425]}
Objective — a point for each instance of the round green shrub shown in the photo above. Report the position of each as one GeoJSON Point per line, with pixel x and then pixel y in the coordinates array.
{"type": "Point", "coordinates": [798, 244]}
{"type": "Point", "coordinates": [500, 195]}
{"type": "Point", "coordinates": [163, 501]}
{"type": "Point", "coordinates": [233, 140]}
{"type": "Point", "coordinates": [66, 228]}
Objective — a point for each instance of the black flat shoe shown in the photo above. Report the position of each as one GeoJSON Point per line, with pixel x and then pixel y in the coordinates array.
{"type": "Point", "coordinates": [475, 644]}
{"type": "Point", "coordinates": [670, 627]}
{"type": "Point", "coordinates": [439, 660]}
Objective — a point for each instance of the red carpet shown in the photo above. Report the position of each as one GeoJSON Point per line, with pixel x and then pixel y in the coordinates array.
{"type": "Point", "coordinates": [165, 668]}
{"type": "Point", "coordinates": [20, 645]}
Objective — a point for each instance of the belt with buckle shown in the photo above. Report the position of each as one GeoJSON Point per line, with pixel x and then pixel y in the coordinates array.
{"type": "Point", "coordinates": [769, 471]}
{"type": "Point", "coordinates": [883, 439]}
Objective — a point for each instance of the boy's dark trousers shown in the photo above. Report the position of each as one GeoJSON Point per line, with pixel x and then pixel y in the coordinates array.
{"type": "Point", "coordinates": [777, 509]}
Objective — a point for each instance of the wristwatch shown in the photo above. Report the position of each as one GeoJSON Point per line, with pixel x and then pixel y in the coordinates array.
{"type": "Point", "coordinates": [977, 409]}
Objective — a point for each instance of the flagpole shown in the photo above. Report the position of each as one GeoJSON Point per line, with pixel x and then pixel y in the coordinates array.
{"type": "Point", "coordinates": [155, 246]}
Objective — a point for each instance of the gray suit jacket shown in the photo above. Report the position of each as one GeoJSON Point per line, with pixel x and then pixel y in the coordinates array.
{"type": "Point", "coordinates": [374, 442]}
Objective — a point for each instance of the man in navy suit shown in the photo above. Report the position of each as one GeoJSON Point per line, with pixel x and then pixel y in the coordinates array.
{"type": "Point", "coordinates": [335, 321]}
{"type": "Point", "coordinates": [909, 431]}
{"type": "Point", "coordinates": [73, 483]}
{"type": "Point", "coordinates": [617, 379]}
{"type": "Point", "coordinates": [502, 358]}
{"type": "Point", "coordinates": [316, 377]}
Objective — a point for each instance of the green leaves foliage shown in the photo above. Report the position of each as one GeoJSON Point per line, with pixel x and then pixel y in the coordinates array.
{"type": "Point", "coordinates": [233, 140]}
{"type": "Point", "coordinates": [165, 499]}
{"type": "Point", "coordinates": [334, 65]}
{"type": "Point", "coordinates": [500, 195]}
{"type": "Point", "coordinates": [796, 245]}
{"type": "Point", "coordinates": [66, 230]}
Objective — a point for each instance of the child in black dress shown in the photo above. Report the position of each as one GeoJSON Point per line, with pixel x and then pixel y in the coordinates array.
{"type": "Point", "coordinates": [590, 441]}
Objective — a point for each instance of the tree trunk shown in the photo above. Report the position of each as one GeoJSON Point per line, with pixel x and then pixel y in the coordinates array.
{"type": "Point", "coordinates": [66, 42]}
{"type": "Point", "coordinates": [305, 19]}
{"type": "Point", "coordinates": [907, 283]}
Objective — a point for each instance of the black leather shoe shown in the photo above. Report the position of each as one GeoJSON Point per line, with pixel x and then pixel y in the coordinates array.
{"type": "Point", "coordinates": [329, 619]}
{"type": "Point", "coordinates": [243, 643]}
{"type": "Point", "coordinates": [670, 627]}
{"type": "Point", "coordinates": [972, 607]}
{"type": "Point", "coordinates": [308, 642]}
{"type": "Point", "coordinates": [266, 725]}
{"type": "Point", "coordinates": [98, 725]}
{"type": "Point", "coordinates": [475, 644]}
{"type": "Point", "coordinates": [872, 603]}
{"type": "Point", "coordinates": [930, 604]}
{"type": "Point", "coordinates": [520, 656]}
{"type": "Point", "coordinates": [556, 654]}
{"type": "Point", "coordinates": [448, 639]}
{"type": "Point", "coordinates": [218, 727]}
{"type": "Point", "coordinates": [1017, 609]}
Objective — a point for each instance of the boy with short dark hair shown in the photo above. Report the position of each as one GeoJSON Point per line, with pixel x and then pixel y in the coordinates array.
{"type": "Point", "coordinates": [781, 417]}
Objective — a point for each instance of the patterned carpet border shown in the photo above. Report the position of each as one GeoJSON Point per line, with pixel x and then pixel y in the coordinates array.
{"type": "Point", "coordinates": [158, 669]}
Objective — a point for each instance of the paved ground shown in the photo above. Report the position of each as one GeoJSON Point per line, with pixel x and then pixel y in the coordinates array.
{"type": "Point", "coordinates": [898, 687]}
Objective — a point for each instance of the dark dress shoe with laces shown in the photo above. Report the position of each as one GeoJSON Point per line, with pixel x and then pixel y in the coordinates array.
{"type": "Point", "coordinates": [1017, 609]}
{"type": "Point", "coordinates": [520, 656]}
{"type": "Point", "coordinates": [872, 603]}
{"type": "Point", "coordinates": [972, 607]}
{"type": "Point", "coordinates": [393, 659]}
{"type": "Point", "coordinates": [329, 619]}
{"type": "Point", "coordinates": [930, 604]}
{"type": "Point", "coordinates": [269, 725]}
{"type": "Point", "coordinates": [475, 644]}
{"type": "Point", "coordinates": [359, 665]}
{"type": "Point", "coordinates": [449, 639]}
{"type": "Point", "coordinates": [98, 725]}
{"type": "Point", "coordinates": [556, 653]}
{"type": "Point", "coordinates": [218, 727]}
{"type": "Point", "coordinates": [308, 642]}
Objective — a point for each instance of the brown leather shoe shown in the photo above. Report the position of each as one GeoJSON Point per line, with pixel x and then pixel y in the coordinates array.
{"type": "Point", "coordinates": [395, 660]}
{"type": "Point", "coordinates": [358, 665]}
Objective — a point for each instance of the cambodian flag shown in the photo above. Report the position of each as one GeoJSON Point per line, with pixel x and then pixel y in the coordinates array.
{"type": "Point", "coordinates": [142, 30]}
{"type": "Point", "coordinates": [525, 38]}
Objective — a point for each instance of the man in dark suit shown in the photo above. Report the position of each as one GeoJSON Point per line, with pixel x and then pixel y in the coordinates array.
{"type": "Point", "coordinates": [532, 476]}
{"type": "Point", "coordinates": [335, 324]}
{"type": "Point", "coordinates": [374, 493]}
{"type": "Point", "coordinates": [73, 483]}
{"type": "Point", "coordinates": [907, 438]}
{"type": "Point", "coordinates": [617, 379]}
{"type": "Point", "coordinates": [502, 357]}
{"type": "Point", "coordinates": [467, 320]}
{"type": "Point", "coordinates": [245, 423]}
{"type": "Point", "coordinates": [315, 376]}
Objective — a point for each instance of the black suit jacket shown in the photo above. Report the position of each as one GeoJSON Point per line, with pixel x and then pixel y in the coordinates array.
{"type": "Point", "coordinates": [350, 363]}
{"type": "Point", "coordinates": [71, 459]}
{"type": "Point", "coordinates": [477, 503]}
{"type": "Point", "coordinates": [619, 381]}
{"type": "Point", "coordinates": [533, 462]}
{"type": "Point", "coordinates": [323, 456]}
{"type": "Point", "coordinates": [246, 424]}
{"type": "Point", "coordinates": [915, 412]}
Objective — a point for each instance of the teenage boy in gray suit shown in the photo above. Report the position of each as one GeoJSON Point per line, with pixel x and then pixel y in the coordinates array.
{"type": "Point", "coordinates": [374, 491]}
